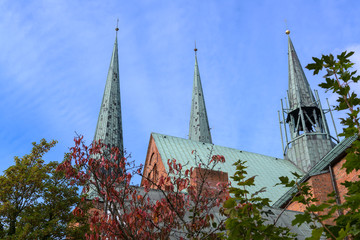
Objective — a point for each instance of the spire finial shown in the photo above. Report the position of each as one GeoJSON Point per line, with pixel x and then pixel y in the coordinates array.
{"type": "Point", "coordinates": [117, 25]}
{"type": "Point", "coordinates": [287, 32]}
{"type": "Point", "coordinates": [195, 49]}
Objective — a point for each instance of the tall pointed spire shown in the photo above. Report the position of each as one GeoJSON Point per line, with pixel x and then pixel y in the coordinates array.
{"type": "Point", "coordinates": [309, 132]}
{"type": "Point", "coordinates": [109, 125]}
{"type": "Point", "coordinates": [300, 93]}
{"type": "Point", "coordinates": [199, 129]}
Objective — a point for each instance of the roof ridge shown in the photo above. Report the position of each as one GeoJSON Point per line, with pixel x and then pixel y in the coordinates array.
{"type": "Point", "coordinates": [244, 151]}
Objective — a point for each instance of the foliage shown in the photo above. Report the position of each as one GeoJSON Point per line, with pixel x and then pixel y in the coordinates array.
{"type": "Point", "coordinates": [338, 79]}
{"type": "Point", "coordinates": [171, 205]}
{"type": "Point", "coordinates": [244, 211]}
{"type": "Point", "coordinates": [35, 200]}
{"type": "Point", "coordinates": [346, 216]}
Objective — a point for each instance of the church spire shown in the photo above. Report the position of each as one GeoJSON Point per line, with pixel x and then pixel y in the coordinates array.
{"type": "Point", "coordinates": [300, 93]}
{"type": "Point", "coordinates": [109, 125]}
{"type": "Point", "coordinates": [199, 129]}
{"type": "Point", "coordinates": [309, 132]}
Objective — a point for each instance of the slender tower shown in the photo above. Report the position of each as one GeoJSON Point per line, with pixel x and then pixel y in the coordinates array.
{"type": "Point", "coordinates": [199, 129]}
{"type": "Point", "coordinates": [109, 124]}
{"type": "Point", "coordinates": [309, 131]}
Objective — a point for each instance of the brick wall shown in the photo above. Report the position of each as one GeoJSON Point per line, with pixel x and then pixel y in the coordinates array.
{"type": "Point", "coordinates": [295, 206]}
{"type": "Point", "coordinates": [210, 177]}
{"type": "Point", "coordinates": [341, 176]}
{"type": "Point", "coordinates": [322, 185]}
{"type": "Point", "coordinates": [154, 167]}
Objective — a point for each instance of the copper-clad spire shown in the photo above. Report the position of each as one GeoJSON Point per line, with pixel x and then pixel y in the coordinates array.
{"type": "Point", "coordinates": [199, 129]}
{"type": "Point", "coordinates": [300, 93]}
{"type": "Point", "coordinates": [109, 125]}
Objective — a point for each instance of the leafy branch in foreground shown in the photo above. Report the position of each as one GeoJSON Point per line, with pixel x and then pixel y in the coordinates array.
{"type": "Point", "coordinates": [178, 207]}
{"type": "Point", "coordinates": [340, 78]}
{"type": "Point", "coordinates": [243, 211]}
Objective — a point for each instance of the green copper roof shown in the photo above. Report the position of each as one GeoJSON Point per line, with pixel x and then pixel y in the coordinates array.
{"type": "Point", "coordinates": [266, 169]}
{"type": "Point", "coordinates": [337, 152]}
{"type": "Point", "coordinates": [199, 129]}
{"type": "Point", "coordinates": [300, 93]}
{"type": "Point", "coordinates": [109, 125]}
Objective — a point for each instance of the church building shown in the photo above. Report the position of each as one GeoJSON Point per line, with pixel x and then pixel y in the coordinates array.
{"type": "Point", "coordinates": [310, 152]}
{"type": "Point", "coordinates": [163, 147]}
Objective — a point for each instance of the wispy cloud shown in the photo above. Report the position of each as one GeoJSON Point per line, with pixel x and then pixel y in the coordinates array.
{"type": "Point", "coordinates": [55, 56]}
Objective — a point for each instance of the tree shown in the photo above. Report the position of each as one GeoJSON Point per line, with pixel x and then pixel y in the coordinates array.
{"type": "Point", "coordinates": [338, 79]}
{"type": "Point", "coordinates": [245, 211]}
{"type": "Point", "coordinates": [35, 200]}
{"type": "Point", "coordinates": [175, 208]}
{"type": "Point", "coordinates": [196, 215]}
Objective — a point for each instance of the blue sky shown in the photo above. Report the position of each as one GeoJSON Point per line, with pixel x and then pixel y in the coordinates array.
{"type": "Point", "coordinates": [54, 58]}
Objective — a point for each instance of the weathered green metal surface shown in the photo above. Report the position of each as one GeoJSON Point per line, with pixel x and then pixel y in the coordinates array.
{"type": "Point", "coordinates": [300, 93]}
{"type": "Point", "coordinates": [109, 125]}
{"type": "Point", "coordinates": [266, 169]}
{"type": "Point", "coordinates": [199, 129]}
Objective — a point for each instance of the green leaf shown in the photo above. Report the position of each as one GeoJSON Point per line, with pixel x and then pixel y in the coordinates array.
{"type": "Point", "coordinates": [349, 54]}
{"type": "Point", "coordinates": [230, 203]}
{"type": "Point", "coordinates": [316, 234]}
{"type": "Point", "coordinates": [301, 218]}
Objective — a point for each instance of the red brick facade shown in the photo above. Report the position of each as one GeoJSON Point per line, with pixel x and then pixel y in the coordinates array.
{"type": "Point", "coordinates": [322, 184]}
{"type": "Point", "coordinates": [212, 178]}
{"type": "Point", "coordinates": [154, 168]}
{"type": "Point", "coordinates": [341, 176]}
